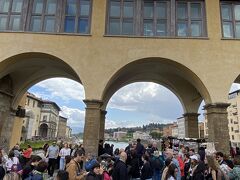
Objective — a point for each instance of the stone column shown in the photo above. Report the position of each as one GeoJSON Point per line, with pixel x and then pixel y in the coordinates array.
{"type": "Point", "coordinates": [6, 120]}
{"type": "Point", "coordinates": [92, 126]}
{"type": "Point", "coordinates": [102, 124]}
{"type": "Point", "coordinates": [217, 119]}
{"type": "Point", "coordinates": [191, 125]}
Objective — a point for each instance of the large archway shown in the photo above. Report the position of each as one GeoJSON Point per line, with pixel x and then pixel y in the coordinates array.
{"type": "Point", "coordinates": [17, 74]}
{"type": "Point", "coordinates": [184, 83]}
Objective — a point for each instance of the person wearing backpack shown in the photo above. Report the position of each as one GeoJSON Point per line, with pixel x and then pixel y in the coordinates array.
{"type": "Point", "coordinates": [157, 165]}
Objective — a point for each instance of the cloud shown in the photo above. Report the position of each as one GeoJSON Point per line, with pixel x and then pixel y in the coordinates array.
{"type": "Point", "coordinates": [76, 118]}
{"type": "Point", "coordinates": [63, 88]}
{"type": "Point", "coordinates": [148, 98]}
{"type": "Point", "coordinates": [234, 87]}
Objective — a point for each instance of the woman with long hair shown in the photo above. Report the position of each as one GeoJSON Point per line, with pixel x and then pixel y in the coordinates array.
{"type": "Point", "coordinates": [172, 172]}
{"type": "Point", "coordinates": [214, 172]}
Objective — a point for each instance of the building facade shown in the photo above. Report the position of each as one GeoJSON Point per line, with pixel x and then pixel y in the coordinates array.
{"type": "Point", "coordinates": [62, 127]}
{"type": "Point", "coordinates": [167, 130]}
{"type": "Point", "coordinates": [181, 127]}
{"type": "Point", "coordinates": [141, 135]}
{"type": "Point", "coordinates": [42, 120]}
{"type": "Point", "coordinates": [119, 135]}
{"type": "Point", "coordinates": [187, 46]}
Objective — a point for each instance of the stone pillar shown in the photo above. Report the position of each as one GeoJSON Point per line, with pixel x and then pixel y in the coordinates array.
{"type": "Point", "coordinates": [102, 124]}
{"type": "Point", "coordinates": [191, 125]}
{"type": "Point", "coordinates": [92, 126]}
{"type": "Point", "coordinates": [6, 120]}
{"type": "Point", "coordinates": [217, 119]}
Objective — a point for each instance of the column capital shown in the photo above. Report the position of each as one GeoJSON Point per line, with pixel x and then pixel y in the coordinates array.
{"type": "Point", "coordinates": [93, 103]}
{"type": "Point", "coordinates": [103, 112]}
{"type": "Point", "coordinates": [191, 114]}
{"type": "Point", "coordinates": [216, 105]}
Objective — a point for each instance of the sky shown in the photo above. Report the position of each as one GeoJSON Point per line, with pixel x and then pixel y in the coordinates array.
{"type": "Point", "coordinates": [134, 105]}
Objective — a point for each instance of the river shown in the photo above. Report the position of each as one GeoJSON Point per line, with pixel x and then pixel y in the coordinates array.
{"type": "Point", "coordinates": [117, 144]}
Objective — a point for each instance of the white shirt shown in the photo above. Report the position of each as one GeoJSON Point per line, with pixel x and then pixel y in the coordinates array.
{"type": "Point", "coordinates": [65, 152]}
{"type": "Point", "coordinates": [11, 162]}
{"type": "Point", "coordinates": [171, 178]}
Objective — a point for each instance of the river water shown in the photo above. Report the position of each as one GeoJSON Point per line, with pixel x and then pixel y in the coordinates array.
{"type": "Point", "coordinates": [117, 144]}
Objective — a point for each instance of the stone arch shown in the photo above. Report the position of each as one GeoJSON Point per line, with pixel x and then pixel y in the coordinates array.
{"type": "Point", "coordinates": [29, 68]}
{"type": "Point", "coordinates": [43, 130]}
{"type": "Point", "coordinates": [184, 83]}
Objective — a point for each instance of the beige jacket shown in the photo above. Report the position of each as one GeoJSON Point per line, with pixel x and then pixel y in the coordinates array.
{"type": "Point", "coordinates": [73, 168]}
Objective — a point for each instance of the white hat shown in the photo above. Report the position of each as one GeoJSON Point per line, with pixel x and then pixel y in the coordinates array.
{"type": "Point", "coordinates": [194, 157]}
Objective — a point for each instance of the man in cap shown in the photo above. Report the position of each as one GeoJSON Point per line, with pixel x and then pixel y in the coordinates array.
{"type": "Point", "coordinates": [197, 168]}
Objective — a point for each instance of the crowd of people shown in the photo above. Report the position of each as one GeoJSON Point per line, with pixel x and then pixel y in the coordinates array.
{"type": "Point", "coordinates": [135, 162]}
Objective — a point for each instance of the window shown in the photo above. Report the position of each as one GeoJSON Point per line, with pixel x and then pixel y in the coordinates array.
{"type": "Point", "coordinates": [230, 13]}
{"type": "Point", "coordinates": [77, 16]}
{"type": "Point", "coordinates": [44, 118]}
{"type": "Point", "coordinates": [232, 137]}
{"type": "Point", "coordinates": [28, 101]}
{"type": "Point", "coordinates": [182, 18]}
{"type": "Point", "coordinates": [189, 19]}
{"type": "Point", "coordinates": [156, 18]}
{"type": "Point", "coordinates": [231, 128]}
{"type": "Point", "coordinates": [11, 15]}
{"type": "Point", "coordinates": [43, 16]}
{"type": "Point", "coordinates": [121, 17]}
{"type": "Point", "coordinates": [33, 103]}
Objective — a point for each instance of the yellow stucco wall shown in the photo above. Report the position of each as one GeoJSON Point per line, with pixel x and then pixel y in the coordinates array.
{"type": "Point", "coordinates": [96, 58]}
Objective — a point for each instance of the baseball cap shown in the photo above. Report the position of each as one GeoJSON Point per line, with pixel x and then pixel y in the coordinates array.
{"type": "Point", "coordinates": [194, 157]}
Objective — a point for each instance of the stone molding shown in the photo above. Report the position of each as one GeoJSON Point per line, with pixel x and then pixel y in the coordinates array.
{"type": "Point", "coordinates": [93, 103]}
{"type": "Point", "coordinates": [191, 114]}
{"type": "Point", "coordinates": [216, 105]}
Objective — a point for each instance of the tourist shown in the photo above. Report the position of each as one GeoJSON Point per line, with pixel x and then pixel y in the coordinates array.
{"type": "Point", "coordinates": [191, 152]}
{"type": "Point", "coordinates": [202, 154]}
{"type": "Point", "coordinates": [30, 166]}
{"type": "Point", "coordinates": [134, 172]}
{"type": "Point", "coordinates": [235, 172]}
{"type": "Point", "coordinates": [157, 164]}
{"type": "Point", "coordinates": [66, 151]}
{"type": "Point", "coordinates": [180, 162]}
{"type": "Point", "coordinates": [172, 172]}
{"type": "Point", "coordinates": [197, 168]}
{"type": "Point", "coordinates": [120, 171]}
{"type": "Point", "coordinates": [16, 150]}
{"type": "Point", "coordinates": [140, 148]}
{"type": "Point", "coordinates": [38, 173]}
{"type": "Point", "coordinates": [154, 146]}
{"type": "Point", "coordinates": [107, 149]}
{"type": "Point", "coordinates": [106, 170]}
{"type": "Point", "coordinates": [45, 148]}
{"type": "Point", "coordinates": [73, 167]}
{"type": "Point", "coordinates": [223, 165]}
{"type": "Point", "coordinates": [146, 170]}
{"type": "Point", "coordinates": [62, 175]}
{"type": "Point", "coordinates": [52, 154]}
{"type": "Point", "coordinates": [11, 161]}
{"type": "Point", "coordinates": [213, 172]}
{"type": "Point", "coordinates": [95, 173]}
{"type": "Point", "coordinates": [169, 154]}
{"type": "Point", "coordinates": [168, 161]}
{"type": "Point", "coordinates": [27, 153]}
{"type": "Point", "coordinates": [100, 148]}
{"type": "Point", "coordinates": [2, 169]}
{"type": "Point", "coordinates": [187, 165]}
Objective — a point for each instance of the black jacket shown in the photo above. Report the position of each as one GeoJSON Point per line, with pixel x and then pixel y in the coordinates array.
{"type": "Point", "coordinates": [135, 168]}
{"type": "Point", "coordinates": [92, 176]}
{"type": "Point", "coordinates": [120, 171]}
{"type": "Point", "coordinates": [198, 174]}
{"type": "Point", "coordinates": [146, 171]}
